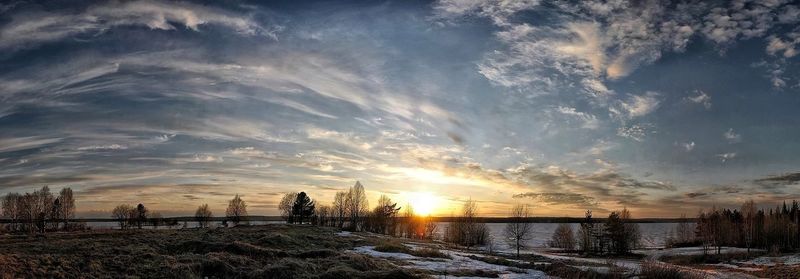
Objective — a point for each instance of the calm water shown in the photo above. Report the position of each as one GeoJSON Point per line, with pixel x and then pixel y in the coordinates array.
{"type": "Point", "coordinates": [653, 234]}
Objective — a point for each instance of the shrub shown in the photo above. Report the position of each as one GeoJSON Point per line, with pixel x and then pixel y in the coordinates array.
{"type": "Point", "coordinates": [659, 270]}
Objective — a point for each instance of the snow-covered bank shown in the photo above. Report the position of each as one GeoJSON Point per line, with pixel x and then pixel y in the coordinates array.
{"type": "Point", "coordinates": [458, 262]}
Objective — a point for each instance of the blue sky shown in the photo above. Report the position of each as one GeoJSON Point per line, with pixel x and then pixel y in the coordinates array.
{"type": "Point", "coordinates": [661, 108]}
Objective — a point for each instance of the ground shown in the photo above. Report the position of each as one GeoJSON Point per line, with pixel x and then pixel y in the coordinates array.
{"type": "Point", "coordinates": [286, 251]}
{"type": "Point", "coordinates": [275, 251]}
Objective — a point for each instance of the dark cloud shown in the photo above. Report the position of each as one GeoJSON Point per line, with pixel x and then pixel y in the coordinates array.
{"type": "Point", "coordinates": [779, 180]}
{"type": "Point", "coordinates": [695, 194]}
{"type": "Point", "coordinates": [560, 198]}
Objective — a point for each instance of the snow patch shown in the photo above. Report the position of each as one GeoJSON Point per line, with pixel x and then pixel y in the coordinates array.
{"type": "Point", "coordinates": [457, 261]}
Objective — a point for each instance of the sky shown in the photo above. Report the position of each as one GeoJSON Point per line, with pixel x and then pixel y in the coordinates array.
{"type": "Point", "coordinates": [567, 106]}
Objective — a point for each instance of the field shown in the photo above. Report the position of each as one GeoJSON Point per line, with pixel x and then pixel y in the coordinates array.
{"type": "Point", "coordinates": [287, 251]}
{"type": "Point", "coordinates": [274, 251]}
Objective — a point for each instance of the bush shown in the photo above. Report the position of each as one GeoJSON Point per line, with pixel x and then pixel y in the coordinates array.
{"type": "Point", "coordinates": [563, 237]}
{"type": "Point", "coordinates": [659, 270]}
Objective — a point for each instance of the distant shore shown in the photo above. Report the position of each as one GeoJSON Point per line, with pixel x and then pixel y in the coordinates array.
{"type": "Point", "coordinates": [434, 219]}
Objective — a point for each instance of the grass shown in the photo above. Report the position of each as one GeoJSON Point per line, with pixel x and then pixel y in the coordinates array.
{"type": "Point", "coordinates": [659, 270]}
{"type": "Point", "coordinates": [710, 258]}
{"type": "Point", "coordinates": [396, 247]}
{"type": "Point", "coordinates": [273, 251]}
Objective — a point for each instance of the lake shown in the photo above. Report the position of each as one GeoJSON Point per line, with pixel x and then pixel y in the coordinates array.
{"type": "Point", "coordinates": [653, 234]}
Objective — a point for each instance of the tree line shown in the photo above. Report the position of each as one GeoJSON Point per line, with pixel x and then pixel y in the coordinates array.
{"type": "Point", "coordinates": [128, 216]}
{"type": "Point", "coordinates": [39, 211]}
{"type": "Point", "coordinates": [350, 211]}
{"type": "Point", "coordinates": [617, 234]}
{"type": "Point", "coordinates": [774, 229]}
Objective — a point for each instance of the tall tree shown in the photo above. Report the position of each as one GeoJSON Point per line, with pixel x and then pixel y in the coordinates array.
{"type": "Point", "coordinates": [11, 207]}
{"type": "Point", "coordinates": [519, 229]}
{"type": "Point", "coordinates": [357, 205]}
{"type": "Point", "coordinates": [303, 208]}
{"type": "Point", "coordinates": [384, 215]}
{"type": "Point", "coordinates": [141, 215]}
{"type": "Point", "coordinates": [563, 237]}
{"type": "Point", "coordinates": [237, 209]}
{"type": "Point", "coordinates": [748, 224]}
{"type": "Point", "coordinates": [203, 215]}
{"type": "Point", "coordinates": [67, 205]}
{"type": "Point", "coordinates": [285, 206]}
{"type": "Point", "coordinates": [340, 208]}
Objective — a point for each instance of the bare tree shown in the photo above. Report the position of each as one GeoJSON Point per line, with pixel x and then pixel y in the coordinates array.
{"type": "Point", "coordinates": [466, 230]}
{"type": "Point", "coordinates": [41, 203]}
{"type": "Point", "coordinates": [683, 230]}
{"type": "Point", "coordinates": [322, 214]}
{"type": "Point", "coordinates": [749, 224]}
{"type": "Point", "coordinates": [237, 209]}
{"type": "Point", "coordinates": [67, 208]}
{"type": "Point", "coordinates": [339, 208]}
{"type": "Point", "coordinates": [357, 205]}
{"type": "Point", "coordinates": [122, 213]}
{"type": "Point", "coordinates": [285, 206]}
{"type": "Point", "coordinates": [203, 215]}
{"type": "Point", "coordinates": [11, 210]}
{"type": "Point", "coordinates": [563, 237]}
{"type": "Point", "coordinates": [156, 219]}
{"type": "Point", "coordinates": [519, 229]}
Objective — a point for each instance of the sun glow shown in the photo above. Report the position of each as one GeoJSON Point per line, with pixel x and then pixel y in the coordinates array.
{"type": "Point", "coordinates": [423, 203]}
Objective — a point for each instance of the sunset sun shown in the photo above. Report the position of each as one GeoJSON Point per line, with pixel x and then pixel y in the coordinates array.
{"type": "Point", "coordinates": [423, 203]}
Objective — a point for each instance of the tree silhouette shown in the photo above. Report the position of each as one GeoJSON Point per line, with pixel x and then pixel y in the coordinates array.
{"type": "Point", "coordinates": [122, 213]}
{"type": "Point", "coordinates": [141, 215]}
{"type": "Point", "coordinates": [563, 237]}
{"type": "Point", "coordinates": [356, 204]}
{"type": "Point", "coordinates": [384, 215]}
{"type": "Point", "coordinates": [302, 208]}
{"type": "Point", "coordinates": [203, 215]}
{"type": "Point", "coordinates": [339, 208]}
{"type": "Point", "coordinates": [67, 208]}
{"type": "Point", "coordinates": [519, 229]}
{"type": "Point", "coordinates": [237, 209]}
{"type": "Point", "coordinates": [286, 206]}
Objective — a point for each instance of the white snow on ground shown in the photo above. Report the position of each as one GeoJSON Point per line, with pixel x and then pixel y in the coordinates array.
{"type": "Point", "coordinates": [771, 261]}
{"type": "Point", "coordinates": [344, 233]}
{"type": "Point", "coordinates": [370, 250]}
{"type": "Point", "coordinates": [458, 261]}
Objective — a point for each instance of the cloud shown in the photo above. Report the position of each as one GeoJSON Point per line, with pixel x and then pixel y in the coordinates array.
{"type": "Point", "coordinates": [731, 136]}
{"type": "Point", "coordinates": [103, 147]}
{"type": "Point", "coordinates": [559, 198]}
{"type": "Point", "coordinates": [783, 179]}
{"type": "Point", "coordinates": [497, 11]}
{"type": "Point", "coordinates": [588, 121]}
{"type": "Point", "coordinates": [23, 143]}
{"type": "Point", "coordinates": [786, 48]}
{"type": "Point", "coordinates": [33, 28]}
{"type": "Point", "coordinates": [727, 156]}
{"type": "Point", "coordinates": [598, 41]}
{"type": "Point", "coordinates": [638, 106]}
{"type": "Point", "coordinates": [689, 146]}
{"type": "Point", "coordinates": [701, 98]}
{"type": "Point", "coordinates": [636, 132]}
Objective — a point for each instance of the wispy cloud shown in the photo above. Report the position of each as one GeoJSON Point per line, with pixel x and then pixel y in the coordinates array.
{"type": "Point", "coordinates": [32, 28]}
